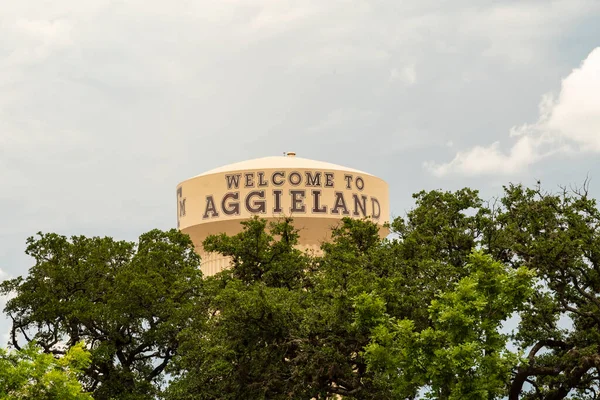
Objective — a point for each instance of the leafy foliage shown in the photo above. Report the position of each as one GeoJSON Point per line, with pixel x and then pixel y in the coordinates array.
{"type": "Point", "coordinates": [31, 374]}
{"type": "Point", "coordinates": [557, 236]}
{"type": "Point", "coordinates": [242, 349]}
{"type": "Point", "coordinates": [127, 301]}
{"type": "Point", "coordinates": [351, 320]}
{"type": "Point", "coordinates": [423, 314]}
{"type": "Point", "coordinates": [462, 355]}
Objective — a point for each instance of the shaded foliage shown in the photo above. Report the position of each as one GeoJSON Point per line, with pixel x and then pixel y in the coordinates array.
{"type": "Point", "coordinates": [421, 314]}
{"type": "Point", "coordinates": [424, 313]}
{"type": "Point", "coordinates": [127, 301]}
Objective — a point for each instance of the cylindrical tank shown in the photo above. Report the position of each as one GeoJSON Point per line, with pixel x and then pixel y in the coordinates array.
{"type": "Point", "coordinates": [315, 194]}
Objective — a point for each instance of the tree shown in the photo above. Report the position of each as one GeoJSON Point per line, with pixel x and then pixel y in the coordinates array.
{"type": "Point", "coordinates": [127, 301]}
{"type": "Point", "coordinates": [416, 315]}
{"type": "Point", "coordinates": [31, 374]}
{"type": "Point", "coordinates": [557, 236]}
{"type": "Point", "coordinates": [241, 350]}
{"type": "Point", "coordinates": [258, 256]}
{"type": "Point", "coordinates": [421, 314]}
{"type": "Point", "coordinates": [316, 336]}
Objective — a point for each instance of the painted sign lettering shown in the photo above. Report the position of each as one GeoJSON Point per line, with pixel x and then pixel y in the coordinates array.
{"type": "Point", "coordinates": [311, 192]}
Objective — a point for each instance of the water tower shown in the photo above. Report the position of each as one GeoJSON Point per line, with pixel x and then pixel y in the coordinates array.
{"type": "Point", "coordinates": [315, 194]}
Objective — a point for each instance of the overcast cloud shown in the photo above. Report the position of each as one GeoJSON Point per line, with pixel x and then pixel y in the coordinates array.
{"type": "Point", "coordinates": [105, 106]}
{"type": "Point", "coordinates": [569, 125]}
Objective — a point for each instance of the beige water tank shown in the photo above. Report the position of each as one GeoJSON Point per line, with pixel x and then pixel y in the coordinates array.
{"type": "Point", "coordinates": [316, 194]}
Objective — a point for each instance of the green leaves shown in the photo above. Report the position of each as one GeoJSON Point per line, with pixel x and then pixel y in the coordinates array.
{"type": "Point", "coordinates": [30, 374]}
{"type": "Point", "coordinates": [258, 255]}
{"type": "Point", "coordinates": [243, 350]}
{"type": "Point", "coordinates": [245, 340]}
{"type": "Point", "coordinates": [462, 353]}
{"type": "Point", "coordinates": [127, 301]}
{"type": "Point", "coordinates": [420, 315]}
{"type": "Point", "coordinates": [369, 319]}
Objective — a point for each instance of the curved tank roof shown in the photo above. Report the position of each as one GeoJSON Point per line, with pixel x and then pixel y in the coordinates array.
{"type": "Point", "coordinates": [288, 161]}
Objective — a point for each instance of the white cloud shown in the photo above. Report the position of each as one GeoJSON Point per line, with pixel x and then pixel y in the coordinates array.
{"type": "Point", "coordinates": [105, 106]}
{"type": "Point", "coordinates": [576, 114]}
{"type": "Point", "coordinates": [406, 75]}
{"type": "Point", "coordinates": [37, 38]}
{"type": "Point", "coordinates": [569, 124]}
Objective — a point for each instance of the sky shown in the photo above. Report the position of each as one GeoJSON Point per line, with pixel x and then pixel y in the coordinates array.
{"type": "Point", "coordinates": [105, 106]}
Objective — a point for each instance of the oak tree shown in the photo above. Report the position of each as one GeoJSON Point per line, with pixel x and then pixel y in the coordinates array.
{"type": "Point", "coordinates": [127, 301]}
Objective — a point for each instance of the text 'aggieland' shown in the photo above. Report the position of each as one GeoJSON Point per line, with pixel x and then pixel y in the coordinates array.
{"type": "Point", "coordinates": [306, 196]}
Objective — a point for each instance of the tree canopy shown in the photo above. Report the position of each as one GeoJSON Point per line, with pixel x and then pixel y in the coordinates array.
{"type": "Point", "coordinates": [467, 299]}
{"type": "Point", "coordinates": [127, 301]}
